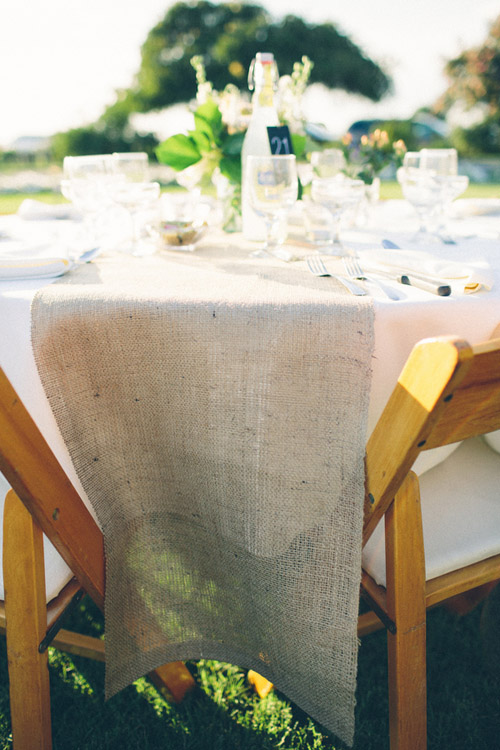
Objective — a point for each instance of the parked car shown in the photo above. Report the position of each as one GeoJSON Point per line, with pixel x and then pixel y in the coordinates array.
{"type": "Point", "coordinates": [421, 130]}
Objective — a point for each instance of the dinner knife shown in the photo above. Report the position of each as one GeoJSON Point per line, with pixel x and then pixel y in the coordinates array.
{"type": "Point", "coordinates": [427, 283]}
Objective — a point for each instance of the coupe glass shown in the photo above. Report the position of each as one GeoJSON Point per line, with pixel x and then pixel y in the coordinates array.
{"type": "Point", "coordinates": [273, 188]}
{"type": "Point", "coordinates": [337, 194]}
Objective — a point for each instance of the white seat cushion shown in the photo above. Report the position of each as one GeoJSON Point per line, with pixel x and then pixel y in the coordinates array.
{"type": "Point", "coordinates": [57, 573]}
{"type": "Point", "coordinates": [460, 513]}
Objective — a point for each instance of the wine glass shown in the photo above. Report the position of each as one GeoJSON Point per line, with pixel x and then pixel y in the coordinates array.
{"type": "Point", "coordinates": [327, 163]}
{"type": "Point", "coordinates": [430, 182]}
{"type": "Point", "coordinates": [132, 167]}
{"type": "Point", "coordinates": [443, 164]}
{"type": "Point", "coordinates": [138, 199]}
{"type": "Point", "coordinates": [422, 191]}
{"type": "Point", "coordinates": [85, 183]}
{"type": "Point", "coordinates": [337, 194]}
{"type": "Point", "coordinates": [273, 189]}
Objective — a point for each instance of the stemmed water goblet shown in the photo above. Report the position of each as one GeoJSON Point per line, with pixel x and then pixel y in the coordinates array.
{"type": "Point", "coordinates": [85, 184]}
{"type": "Point", "coordinates": [327, 163]}
{"type": "Point", "coordinates": [132, 167]}
{"type": "Point", "coordinates": [337, 195]}
{"type": "Point", "coordinates": [138, 199]}
{"type": "Point", "coordinates": [442, 163]}
{"type": "Point", "coordinates": [430, 183]}
{"type": "Point", "coordinates": [273, 189]}
{"type": "Point", "coordinates": [137, 195]}
{"type": "Point", "coordinates": [420, 190]}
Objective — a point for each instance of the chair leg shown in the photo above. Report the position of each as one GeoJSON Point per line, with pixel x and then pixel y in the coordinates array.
{"type": "Point", "coordinates": [26, 623]}
{"type": "Point", "coordinates": [406, 607]}
{"type": "Point", "coordinates": [261, 686]}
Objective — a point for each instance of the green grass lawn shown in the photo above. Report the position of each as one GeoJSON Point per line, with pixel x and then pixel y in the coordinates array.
{"type": "Point", "coordinates": [9, 203]}
{"type": "Point", "coordinates": [223, 713]}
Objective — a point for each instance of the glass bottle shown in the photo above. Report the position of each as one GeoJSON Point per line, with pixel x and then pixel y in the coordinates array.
{"type": "Point", "coordinates": [263, 80]}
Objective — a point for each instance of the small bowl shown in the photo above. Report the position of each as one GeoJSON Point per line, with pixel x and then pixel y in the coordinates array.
{"type": "Point", "coordinates": [181, 235]}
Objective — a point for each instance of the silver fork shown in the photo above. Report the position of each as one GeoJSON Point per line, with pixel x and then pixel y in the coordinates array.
{"type": "Point", "coordinates": [354, 271]}
{"type": "Point", "coordinates": [318, 268]}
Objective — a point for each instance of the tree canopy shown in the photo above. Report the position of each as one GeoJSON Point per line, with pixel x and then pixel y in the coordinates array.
{"type": "Point", "coordinates": [475, 83]}
{"type": "Point", "coordinates": [228, 35]}
{"type": "Point", "coordinates": [475, 75]}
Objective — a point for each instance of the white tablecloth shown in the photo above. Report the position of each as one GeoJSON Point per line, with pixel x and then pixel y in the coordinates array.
{"type": "Point", "coordinates": [398, 325]}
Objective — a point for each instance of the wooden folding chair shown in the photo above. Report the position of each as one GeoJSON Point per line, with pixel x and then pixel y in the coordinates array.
{"type": "Point", "coordinates": [448, 392]}
{"type": "Point", "coordinates": [43, 501]}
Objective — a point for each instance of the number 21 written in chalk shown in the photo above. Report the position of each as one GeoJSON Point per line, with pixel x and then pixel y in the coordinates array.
{"type": "Point", "coordinates": [280, 140]}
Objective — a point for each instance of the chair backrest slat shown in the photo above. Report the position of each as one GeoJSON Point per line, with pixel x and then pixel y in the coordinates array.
{"type": "Point", "coordinates": [434, 370]}
{"type": "Point", "coordinates": [475, 407]}
{"type": "Point", "coordinates": [36, 476]}
{"type": "Point", "coordinates": [448, 391]}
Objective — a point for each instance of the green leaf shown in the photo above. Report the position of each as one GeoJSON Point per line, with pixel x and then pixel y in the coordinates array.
{"type": "Point", "coordinates": [204, 128]}
{"type": "Point", "coordinates": [178, 151]}
{"type": "Point", "coordinates": [233, 144]}
{"type": "Point", "coordinates": [208, 114]}
{"type": "Point", "coordinates": [298, 144]}
{"type": "Point", "coordinates": [300, 191]}
{"type": "Point", "coordinates": [201, 139]}
{"type": "Point", "coordinates": [230, 166]}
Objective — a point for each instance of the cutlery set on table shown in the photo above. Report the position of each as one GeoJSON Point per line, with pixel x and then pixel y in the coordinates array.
{"type": "Point", "coordinates": [416, 268]}
{"type": "Point", "coordinates": [354, 273]}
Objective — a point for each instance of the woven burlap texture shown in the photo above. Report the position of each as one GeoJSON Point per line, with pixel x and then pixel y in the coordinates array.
{"type": "Point", "coordinates": [214, 406]}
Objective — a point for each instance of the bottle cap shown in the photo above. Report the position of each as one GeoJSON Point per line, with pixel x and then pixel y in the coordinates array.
{"type": "Point", "coordinates": [256, 76]}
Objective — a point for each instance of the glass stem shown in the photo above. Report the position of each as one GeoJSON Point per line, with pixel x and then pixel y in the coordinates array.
{"type": "Point", "coordinates": [273, 238]}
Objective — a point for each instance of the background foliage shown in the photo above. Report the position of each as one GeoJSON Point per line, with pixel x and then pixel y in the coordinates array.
{"type": "Point", "coordinates": [227, 35]}
{"type": "Point", "coordinates": [475, 85]}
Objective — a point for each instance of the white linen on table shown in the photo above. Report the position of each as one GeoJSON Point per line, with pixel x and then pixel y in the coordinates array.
{"type": "Point", "coordinates": [398, 326]}
{"type": "Point", "coordinates": [17, 361]}
{"type": "Point", "coordinates": [462, 277]}
{"type": "Point", "coordinates": [30, 252]}
{"type": "Point", "coordinates": [33, 210]}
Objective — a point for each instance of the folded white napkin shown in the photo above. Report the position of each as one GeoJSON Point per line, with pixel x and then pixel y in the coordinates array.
{"type": "Point", "coordinates": [24, 260]}
{"type": "Point", "coordinates": [462, 278]}
{"type": "Point", "coordinates": [475, 207]}
{"type": "Point", "coordinates": [26, 268]}
{"type": "Point", "coordinates": [32, 210]}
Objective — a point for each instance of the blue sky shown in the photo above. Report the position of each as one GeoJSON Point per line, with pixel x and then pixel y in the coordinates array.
{"type": "Point", "coordinates": [61, 60]}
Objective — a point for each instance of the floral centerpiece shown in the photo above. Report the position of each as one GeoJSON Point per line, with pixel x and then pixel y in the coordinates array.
{"type": "Point", "coordinates": [217, 137]}
{"type": "Point", "coordinates": [211, 151]}
{"type": "Point", "coordinates": [366, 160]}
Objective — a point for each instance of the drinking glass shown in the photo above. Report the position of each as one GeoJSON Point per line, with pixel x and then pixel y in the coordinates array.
{"type": "Point", "coordinates": [182, 223]}
{"type": "Point", "coordinates": [443, 163]}
{"type": "Point", "coordinates": [132, 167]}
{"type": "Point", "coordinates": [139, 199]}
{"type": "Point", "coordinates": [273, 188]}
{"type": "Point", "coordinates": [419, 190]}
{"type": "Point", "coordinates": [430, 182]}
{"type": "Point", "coordinates": [327, 163]}
{"type": "Point", "coordinates": [337, 194]}
{"type": "Point", "coordinates": [85, 184]}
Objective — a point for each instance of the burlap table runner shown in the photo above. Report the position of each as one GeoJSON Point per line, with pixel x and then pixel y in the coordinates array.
{"type": "Point", "coordinates": [214, 407]}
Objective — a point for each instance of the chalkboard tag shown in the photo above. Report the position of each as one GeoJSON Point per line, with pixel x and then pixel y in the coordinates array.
{"type": "Point", "coordinates": [280, 140]}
